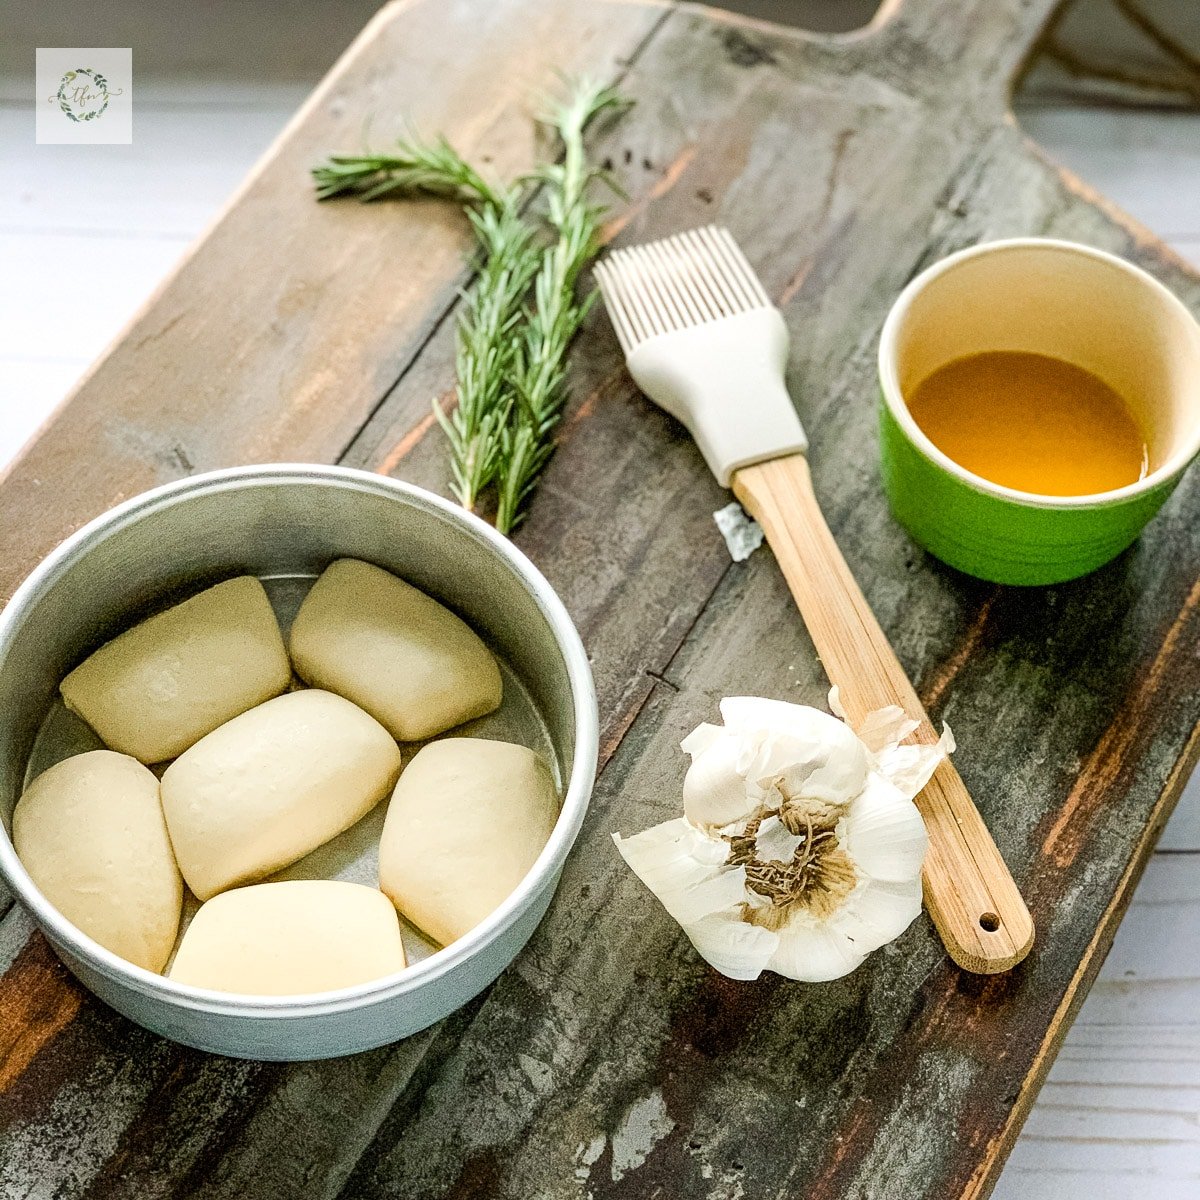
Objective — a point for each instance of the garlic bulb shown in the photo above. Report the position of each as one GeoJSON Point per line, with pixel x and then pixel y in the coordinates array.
{"type": "Point", "coordinates": [800, 849]}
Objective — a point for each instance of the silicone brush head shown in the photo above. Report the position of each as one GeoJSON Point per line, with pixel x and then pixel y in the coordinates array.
{"type": "Point", "coordinates": [703, 340]}
{"type": "Point", "coordinates": [681, 281]}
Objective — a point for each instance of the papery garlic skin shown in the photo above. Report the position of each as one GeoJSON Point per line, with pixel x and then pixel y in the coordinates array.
{"type": "Point", "coordinates": [883, 731]}
{"type": "Point", "coordinates": [714, 789]}
{"type": "Point", "coordinates": [800, 850]}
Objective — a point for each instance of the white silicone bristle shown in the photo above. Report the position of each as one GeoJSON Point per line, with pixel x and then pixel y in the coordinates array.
{"type": "Point", "coordinates": [689, 279]}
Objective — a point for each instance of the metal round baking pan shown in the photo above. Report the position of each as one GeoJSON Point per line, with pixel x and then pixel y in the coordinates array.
{"type": "Point", "coordinates": [285, 523]}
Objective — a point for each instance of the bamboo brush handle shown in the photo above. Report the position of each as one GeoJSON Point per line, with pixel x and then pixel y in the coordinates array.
{"type": "Point", "coordinates": [969, 891]}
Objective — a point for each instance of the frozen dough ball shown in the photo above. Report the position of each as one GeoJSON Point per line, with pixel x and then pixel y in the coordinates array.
{"type": "Point", "coordinates": [398, 653]}
{"type": "Point", "coordinates": [466, 822]}
{"type": "Point", "coordinates": [91, 834]}
{"type": "Point", "coordinates": [161, 686]}
{"type": "Point", "coordinates": [273, 784]}
{"type": "Point", "coordinates": [280, 939]}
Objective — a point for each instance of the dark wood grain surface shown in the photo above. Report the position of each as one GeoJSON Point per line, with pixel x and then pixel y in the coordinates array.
{"type": "Point", "coordinates": [609, 1061]}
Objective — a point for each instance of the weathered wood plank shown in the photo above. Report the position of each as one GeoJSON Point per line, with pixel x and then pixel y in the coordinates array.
{"type": "Point", "coordinates": [609, 1060]}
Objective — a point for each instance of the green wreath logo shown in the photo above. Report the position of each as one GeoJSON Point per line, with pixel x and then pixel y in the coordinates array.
{"type": "Point", "coordinates": [83, 94]}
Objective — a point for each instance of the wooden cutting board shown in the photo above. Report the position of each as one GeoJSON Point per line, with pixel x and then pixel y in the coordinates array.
{"type": "Point", "coordinates": [609, 1061]}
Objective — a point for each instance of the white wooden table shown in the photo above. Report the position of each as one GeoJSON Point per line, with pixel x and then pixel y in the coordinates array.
{"type": "Point", "coordinates": [87, 233]}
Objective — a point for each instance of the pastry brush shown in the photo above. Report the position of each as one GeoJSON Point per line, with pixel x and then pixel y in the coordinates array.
{"type": "Point", "coordinates": [702, 339]}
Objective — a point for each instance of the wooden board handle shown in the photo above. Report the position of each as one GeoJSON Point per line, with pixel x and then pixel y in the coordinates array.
{"type": "Point", "coordinates": [969, 891]}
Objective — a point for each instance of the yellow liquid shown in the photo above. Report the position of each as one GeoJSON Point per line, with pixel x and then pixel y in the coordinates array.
{"type": "Point", "coordinates": [1031, 422]}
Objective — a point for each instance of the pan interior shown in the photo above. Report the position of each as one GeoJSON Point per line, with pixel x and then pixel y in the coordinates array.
{"type": "Point", "coordinates": [285, 531]}
{"type": "Point", "coordinates": [352, 856]}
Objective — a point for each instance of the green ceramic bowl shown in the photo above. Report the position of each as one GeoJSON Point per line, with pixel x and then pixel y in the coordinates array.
{"type": "Point", "coordinates": [1048, 297]}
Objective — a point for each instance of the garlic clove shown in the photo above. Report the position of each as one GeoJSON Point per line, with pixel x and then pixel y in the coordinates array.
{"type": "Point", "coordinates": [751, 714]}
{"type": "Point", "coordinates": [816, 754]}
{"type": "Point", "coordinates": [701, 738]}
{"type": "Point", "coordinates": [733, 947]}
{"type": "Point", "coordinates": [879, 912]}
{"type": "Point", "coordinates": [714, 792]}
{"type": "Point", "coordinates": [676, 862]}
{"type": "Point", "coordinates": [832, 774]}
{"type": "Point", "coordinates": [814, 953]}
{"type": "Point", "coordinates": [883, 832]}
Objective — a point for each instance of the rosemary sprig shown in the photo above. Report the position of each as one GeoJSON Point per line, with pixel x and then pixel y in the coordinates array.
{"type": "Point", "coordinates": [435, 168]}
{"type": "Point", "coordinates": [517, 323]}
{"type": "Point", "coordinates": [486, 348]}
{"type": "Point", "coordinates": [540, 362]}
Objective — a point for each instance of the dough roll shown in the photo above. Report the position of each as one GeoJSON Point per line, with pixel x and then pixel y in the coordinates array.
{"type": "Point", "coordinates": [396, 652]}
{"type": "Point", "coordinates": [467, 820]}
{"type": "Point", "coordinates": [282, 939]}
{"type": "Point", "coordinates": [161, 686]}
{"type": "Point", "coordinates": [269, 786]}
{"type": "Point", "coordinates": [91, 834]}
